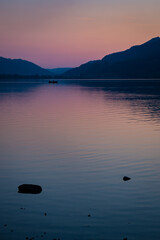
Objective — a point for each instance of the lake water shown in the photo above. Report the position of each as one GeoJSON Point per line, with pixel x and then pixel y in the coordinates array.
{"type": "Point", "coordinates": [77, 139]}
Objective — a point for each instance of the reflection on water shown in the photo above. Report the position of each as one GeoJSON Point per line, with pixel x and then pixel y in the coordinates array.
{"type": "Point", "coordinates": [77, 140]}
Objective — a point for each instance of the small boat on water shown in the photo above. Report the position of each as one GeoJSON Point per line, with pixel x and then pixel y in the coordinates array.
{"type": "Point", "coordinates": [52, 81]}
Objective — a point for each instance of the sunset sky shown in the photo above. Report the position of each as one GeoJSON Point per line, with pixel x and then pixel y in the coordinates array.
{"type": "Point", "coordinates": [67, 33]}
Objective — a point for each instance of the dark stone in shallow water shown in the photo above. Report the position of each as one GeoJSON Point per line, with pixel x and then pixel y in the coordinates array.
{"type": "Point", "coordinates": [29, 188]}
{"type": "Point", "coordinates": [125, 178]}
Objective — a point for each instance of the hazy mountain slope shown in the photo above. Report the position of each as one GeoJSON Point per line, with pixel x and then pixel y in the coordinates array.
{"type": "Point", "coordinates": [58, 71]}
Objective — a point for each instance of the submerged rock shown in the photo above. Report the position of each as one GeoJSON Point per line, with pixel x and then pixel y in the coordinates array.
{"type": "Point", "coordinates": [125, 178]}
{"type": "Point", "coordinates": [29, 188]}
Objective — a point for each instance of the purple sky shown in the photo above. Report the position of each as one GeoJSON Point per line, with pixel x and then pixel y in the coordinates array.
{"type": "Point", "coordinates": [67, 33]}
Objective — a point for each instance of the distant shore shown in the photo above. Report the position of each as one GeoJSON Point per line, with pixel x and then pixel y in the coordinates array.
{"type": "Point", "coordinates": [17, 76]}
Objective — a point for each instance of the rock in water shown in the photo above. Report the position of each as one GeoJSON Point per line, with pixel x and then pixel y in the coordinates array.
{"type": "Point", "coordinates": [29, 188]}
{"type": "Point", "coordinates": [125, 178]}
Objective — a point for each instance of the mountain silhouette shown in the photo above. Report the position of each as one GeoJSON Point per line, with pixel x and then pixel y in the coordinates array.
{"type": "Point", "coordinates": [20, 67]}
{"type": "Point", "coordinates": [58, 71]}
{"type": "Point", "coordinates": [141, 61]}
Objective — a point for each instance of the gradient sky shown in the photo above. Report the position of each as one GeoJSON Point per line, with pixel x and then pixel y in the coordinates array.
{"type": "Point", "coordinates": [67, 33]}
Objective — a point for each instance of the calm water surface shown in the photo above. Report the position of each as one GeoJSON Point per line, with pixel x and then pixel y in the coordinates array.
{"type": "Point", "coordinates": [77, 139]}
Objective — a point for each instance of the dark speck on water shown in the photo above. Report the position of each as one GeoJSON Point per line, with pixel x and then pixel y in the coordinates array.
{"type": "Point", "coordinates": [125, 178]}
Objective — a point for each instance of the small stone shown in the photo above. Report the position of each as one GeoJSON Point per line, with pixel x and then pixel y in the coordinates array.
{"type": "Point", "coordinates": [11, 230]}
{"type": "Point", "coordinates": [45, 214]}
{"type": "Point", "coordinates": [5, 225]}
{"type": "Point", "coordinates": [125, 178]}
{"type": "Point", "coordinates": [89, 215]}
{"type": "Point", "coordinates": [29, 188]}
{"type": "Point", "coordinates": [124, 238]}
